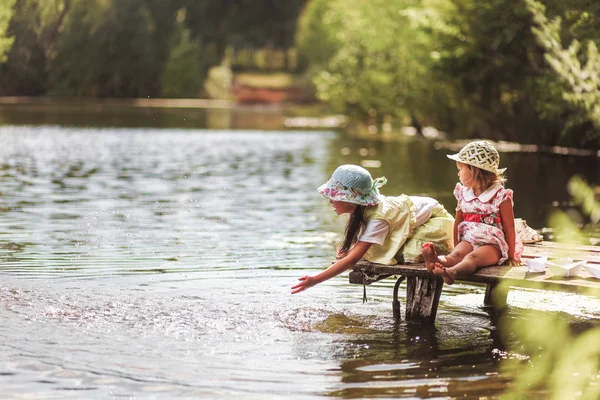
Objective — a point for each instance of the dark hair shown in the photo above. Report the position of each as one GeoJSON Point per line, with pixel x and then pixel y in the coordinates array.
{"type": "Point", "coordinates": [355, 224]}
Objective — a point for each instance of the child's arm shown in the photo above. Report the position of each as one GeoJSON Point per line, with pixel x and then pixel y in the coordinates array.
{"type": "Point", "coordinates": [352, 257]}
{"type": "Point", "coordinates": [508, 225]}
{"type": "Point", "coordinates": [457, 220]}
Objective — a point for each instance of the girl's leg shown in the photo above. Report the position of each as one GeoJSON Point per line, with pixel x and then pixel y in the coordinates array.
{"type": "Point", "coordinates": [431, 258]}
{"type": "Point", "coordinates": [483, 256]}
{"type": "Point", "coordinates": [457, 255]}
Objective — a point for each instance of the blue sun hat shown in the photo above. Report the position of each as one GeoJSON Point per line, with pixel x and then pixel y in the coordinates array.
{"type": "Point", "coordinates": [353, 184]}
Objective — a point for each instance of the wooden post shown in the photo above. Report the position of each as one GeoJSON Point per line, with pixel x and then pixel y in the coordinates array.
{"type": "Point", "coordinates": [422, 299]}
{"type": "Point", "coordinates": [495, 296]}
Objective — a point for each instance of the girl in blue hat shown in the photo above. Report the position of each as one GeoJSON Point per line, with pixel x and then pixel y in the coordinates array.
{"type": "Point", "coordinates": [381, 229]}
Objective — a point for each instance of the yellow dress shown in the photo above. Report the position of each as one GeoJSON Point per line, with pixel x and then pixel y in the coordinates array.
{"type": "Point", "coordinates": [403, 242]}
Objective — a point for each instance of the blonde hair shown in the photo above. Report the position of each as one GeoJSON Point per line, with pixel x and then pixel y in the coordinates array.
{"type": "Point", "coordinates": [484, 179]}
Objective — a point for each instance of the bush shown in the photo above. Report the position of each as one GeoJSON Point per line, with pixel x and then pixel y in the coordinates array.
{"type": "Point", "coordinates": [185, 71]}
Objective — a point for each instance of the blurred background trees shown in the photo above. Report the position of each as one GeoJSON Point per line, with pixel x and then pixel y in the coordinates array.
{"type": "Point", "coordinates": [5, 16]}
{"type": "Point", "coordinates": [131, 48]}
{"type": "Point", "coordinates": [517, 70]}
{"type": "Point", "coordinates": [472, 69]}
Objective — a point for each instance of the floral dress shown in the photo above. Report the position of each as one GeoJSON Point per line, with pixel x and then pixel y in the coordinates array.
{"type": "Point", "coordinates": [482, 223]}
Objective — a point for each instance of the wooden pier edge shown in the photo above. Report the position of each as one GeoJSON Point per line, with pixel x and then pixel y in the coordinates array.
{"type": "Point", "coordinates": [423, 289]}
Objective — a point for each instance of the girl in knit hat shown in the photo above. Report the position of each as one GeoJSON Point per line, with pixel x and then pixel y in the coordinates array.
{"type": "Point", "coordinates": [484, 228]}
{"type": "Point", "coordinates": [381, 229]}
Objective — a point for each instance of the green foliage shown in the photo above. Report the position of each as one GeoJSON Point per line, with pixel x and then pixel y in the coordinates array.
{"type": "Point", "coordinates": [579, 70]}
{"type": "Point", "coordinates": [128, 48]}
{"type": "Point", "coordinates": [368, 57]}
{"type": "Point", "coordinates": [496, 74]}
{"type": "Point", "coordinates": [584, 196]}
{"type": "Point", "coordinates": [560, 362]}
{"type": "Point", "coordinates": [243, 23]}
{"type": "Point", "coordinates": [317, 34]}
{"type": "Point", "coordinates": [107, 51]}
{"type": "Point", "coordinates": [470, 68]}
{"type": "Point", "coordinates": [185, 70]}
{"type": "Point", "coordinates": [564, 366]}
{"type": "Point", "coordinates": [35, 26]}
{"type": "Point", "coordinates": [5, 16]}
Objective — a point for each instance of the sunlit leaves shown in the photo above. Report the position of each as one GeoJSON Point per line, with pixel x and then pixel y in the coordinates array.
{"type": "Point", "coordinates": [468, 67]}
{"type": "Point", "coordinates": [585, 196]}
{"type": "Point", "coordinates": [564, 363]}
{"type": "Point", "coordinates": [368, 56]}
{"type": "Point", "coordinates": [184, 71]}
{"type": "Point", "coordinates": [6, 42]}
{"type": "Point", "coordinates": [578, 67]}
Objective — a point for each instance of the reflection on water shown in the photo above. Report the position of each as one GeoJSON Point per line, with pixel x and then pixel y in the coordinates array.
{"type": "Point", "coordinates": [158, 263]}
{"type": "Point", "coordinates": [122, 113]}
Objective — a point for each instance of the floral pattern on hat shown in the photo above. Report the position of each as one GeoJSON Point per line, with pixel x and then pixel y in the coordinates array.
{"type": "Point", "coordinates": [339, 192]}
{"type": "Point", "coordinates": [353, 184]}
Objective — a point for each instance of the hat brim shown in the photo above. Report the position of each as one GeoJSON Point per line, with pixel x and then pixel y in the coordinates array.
{"type": "Point", "coordinates": [328, 191]}
{"type": "Point", "coordinates": [456, 157]}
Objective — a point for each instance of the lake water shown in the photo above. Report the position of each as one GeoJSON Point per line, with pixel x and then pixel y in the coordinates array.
{"type": "Point", "coordinates": [149, 262]}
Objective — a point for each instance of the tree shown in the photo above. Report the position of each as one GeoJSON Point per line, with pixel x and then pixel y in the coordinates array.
{"type": "Point", "coordinates": [218, 24]}
{"type": "Point", "coordinates": [499, 73]}
{"type": "Point", "coordinates": [35, 27]}
{"type": "Point", "coordinates": [6, 42]}
{"type": "Point", "coordinates": [121, 47]}
{"type": "Point", "coordinates": [472, 69]}
{"type": "Point", "coordinates": [185, 71]}
{"type": "Point", "coordinates": [578, 70]}
{"type": "Point", "coordinates": [368, 59]}
{"type": "Point", "coordinates": [107, 50]}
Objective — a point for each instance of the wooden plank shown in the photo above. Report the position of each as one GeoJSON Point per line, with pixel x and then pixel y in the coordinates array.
{"type": "Point", "coordinates": [366, 272]}
{"type": "Point", "coordinates": [558, 245]}
{"type": "Point", "coordinates": [578, 252]}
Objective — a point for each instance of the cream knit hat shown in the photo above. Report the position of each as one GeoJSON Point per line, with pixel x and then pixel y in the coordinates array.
{"type": "Point", "coordinates": [480, 154]}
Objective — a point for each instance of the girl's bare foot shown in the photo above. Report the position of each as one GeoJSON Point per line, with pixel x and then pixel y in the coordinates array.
{"type": "Point", "coordinates": [430, 256]}
{"type": "Point", "coordinates": [448, 274]}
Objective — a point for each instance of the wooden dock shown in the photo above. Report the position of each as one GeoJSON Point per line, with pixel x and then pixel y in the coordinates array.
{"type": "Point", "coordinates": [423, 289]}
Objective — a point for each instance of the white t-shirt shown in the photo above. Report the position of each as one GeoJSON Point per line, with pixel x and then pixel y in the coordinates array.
{"type": "Point", "coordinates": [375, 232]}
{"type": "Point", "coordinates": [423, 207]}
{"type": "Point", "coordinates": [377, 229]}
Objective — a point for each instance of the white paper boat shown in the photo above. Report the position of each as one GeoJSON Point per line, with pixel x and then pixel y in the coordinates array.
{"type": "Point", "coordinates": [537, 264]}
{"type": "Point", "coordinates": [565, 266]}
{"type": "Point", "coordinates": [594, 270]}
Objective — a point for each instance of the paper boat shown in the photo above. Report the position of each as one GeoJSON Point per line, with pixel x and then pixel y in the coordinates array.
{"type": "Point", "coordinates": [594, 270]}
{"type": "Point", "coordinates": [565, 266]}
{"type": "Point", "coordinates": [537, 264]}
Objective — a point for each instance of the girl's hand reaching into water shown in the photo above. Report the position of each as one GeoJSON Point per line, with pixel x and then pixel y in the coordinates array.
{"type": "Point", "coordinates": [305, 283]}
{"type": "Point", "coordinates": [341, 265]}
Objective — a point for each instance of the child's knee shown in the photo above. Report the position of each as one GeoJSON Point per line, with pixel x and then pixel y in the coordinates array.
{"type": "Point", "coordinates": [460, 252]}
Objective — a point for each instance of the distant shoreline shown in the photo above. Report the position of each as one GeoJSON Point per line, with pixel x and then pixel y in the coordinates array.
{"type": "Point", "coordinates": [132, 102]}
